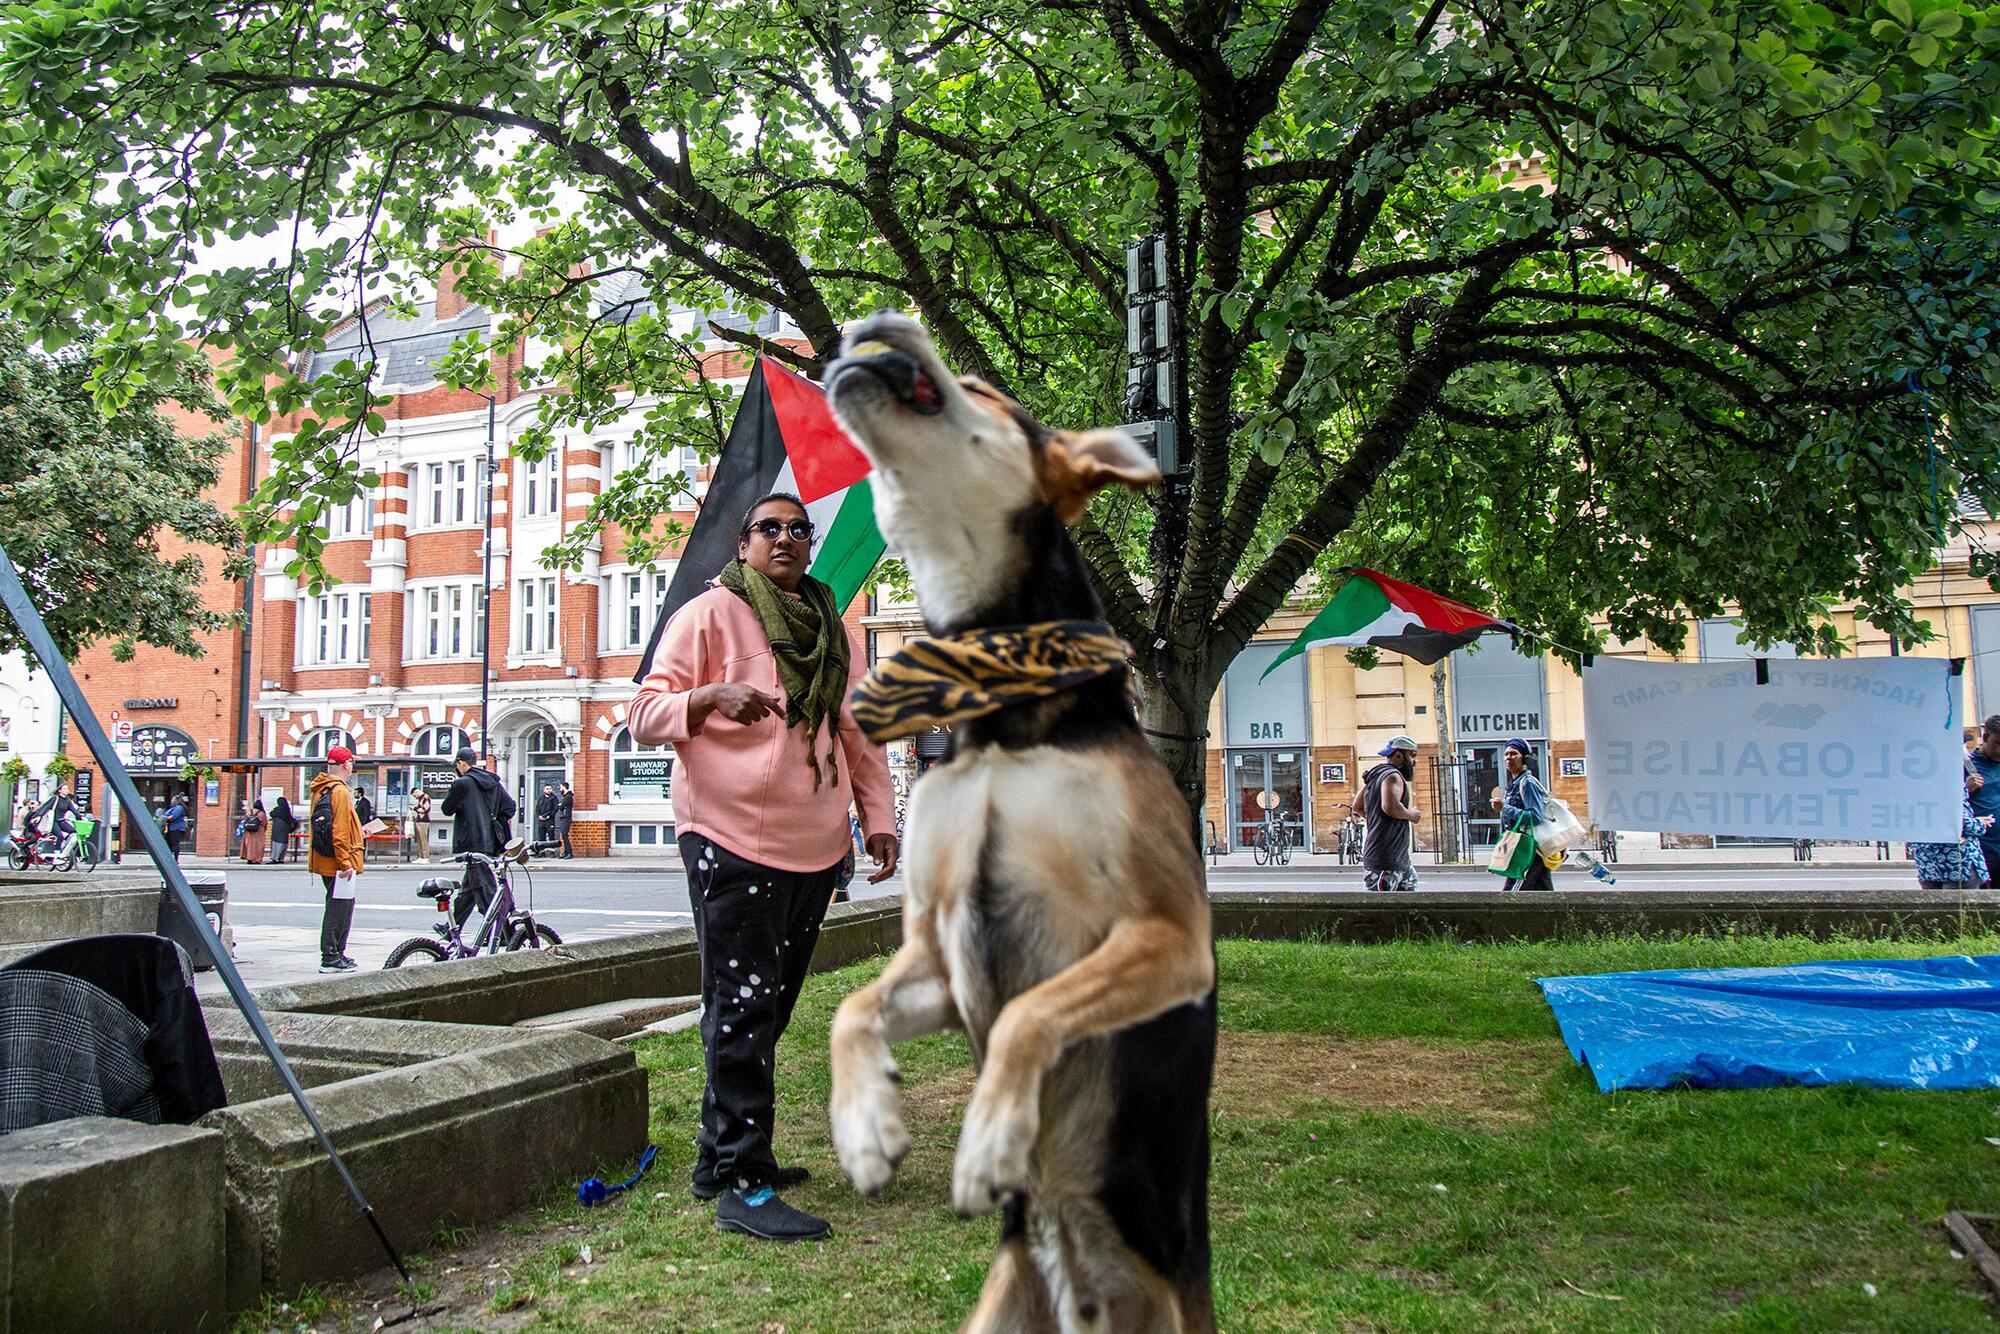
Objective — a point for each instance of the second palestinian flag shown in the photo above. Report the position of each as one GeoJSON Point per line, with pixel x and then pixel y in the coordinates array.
{"type": "Point", "coordinates": [784, 438]}
{"type": "Point", "coordinates": [1374, 610]}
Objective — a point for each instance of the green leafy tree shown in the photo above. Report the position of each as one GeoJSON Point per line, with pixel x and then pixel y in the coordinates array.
{"type": "Point", "coordinates": [90, 503]}
{"type": "Point", "coordinates": [1569, 308]}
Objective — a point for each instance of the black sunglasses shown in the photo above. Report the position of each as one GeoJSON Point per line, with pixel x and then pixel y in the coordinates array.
{"type": "Point", "coordinates": [800, 529]}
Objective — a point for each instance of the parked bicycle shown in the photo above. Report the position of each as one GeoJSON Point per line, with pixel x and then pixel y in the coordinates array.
{"type": "Point", "coordinates": [31, 847]}
{"type": "Point", "coordinates": [1348, 836]}
{"type": "Point", "coordinates": [1272, 845]}
{"type": "Point", "coordinates": [505, 929]}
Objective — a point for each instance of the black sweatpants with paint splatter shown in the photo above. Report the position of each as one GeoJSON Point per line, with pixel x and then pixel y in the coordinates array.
{"type": "Point", "coordinates": [756, 928]}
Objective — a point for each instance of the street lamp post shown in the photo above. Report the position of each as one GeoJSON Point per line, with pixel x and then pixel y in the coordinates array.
{"type": "Point", "coordinates": [486, 591]}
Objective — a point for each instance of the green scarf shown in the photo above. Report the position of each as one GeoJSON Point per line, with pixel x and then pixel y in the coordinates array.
{"type": "Point", "coordinates": [810, 644]}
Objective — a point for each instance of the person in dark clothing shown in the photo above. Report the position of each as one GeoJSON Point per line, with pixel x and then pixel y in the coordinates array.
{"type": "Point", "coordinates": [58, 814]}
{"type": "Point", "coordinates": [1391, 816]}
{"type": "Point", "coordinates": [104, 1026]}
{"type": "Point", "coordinates": [174, 822]}
{"type": "Point", "coordinates": [481, 812]}
{"type": "Point", "coordinates": [283, 825]}
{"type": "Point", "coordinates": [364, 809]}
{"type": "Point", "coordinates": [565, 813]}
{"type": "Point", "coordinates": [1526, 804]}
{"type": "Point", "coordinates": [545, 815]}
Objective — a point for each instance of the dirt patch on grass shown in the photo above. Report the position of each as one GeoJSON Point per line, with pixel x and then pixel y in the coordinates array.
{"type": "Point", "coordinates": [1260, 1073]}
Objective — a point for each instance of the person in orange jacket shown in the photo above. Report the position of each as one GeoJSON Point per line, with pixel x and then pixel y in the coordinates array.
{"type": "Point", "coordinates": [333, 853]}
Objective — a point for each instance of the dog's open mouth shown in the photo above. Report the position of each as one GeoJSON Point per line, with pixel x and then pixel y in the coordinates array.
{"type": "Point", "coordinates": [905, 378]}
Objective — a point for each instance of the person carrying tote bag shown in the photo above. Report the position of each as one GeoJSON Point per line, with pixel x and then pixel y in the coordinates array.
{"type": "Point", "coordinates": [1524, 807]}
{"type": "Point", "coordinates": [1513, 853]}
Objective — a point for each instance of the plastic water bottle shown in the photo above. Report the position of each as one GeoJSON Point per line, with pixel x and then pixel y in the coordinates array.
{"type": "Point", "coordinates": [1600, 871]}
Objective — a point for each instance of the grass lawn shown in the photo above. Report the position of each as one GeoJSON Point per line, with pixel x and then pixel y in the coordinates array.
{"type": "Point", "coordinates": [1401, 1142]}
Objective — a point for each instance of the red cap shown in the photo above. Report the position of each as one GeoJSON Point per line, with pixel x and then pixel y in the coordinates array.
{"type": "Point", "coordinates": [339, 755]}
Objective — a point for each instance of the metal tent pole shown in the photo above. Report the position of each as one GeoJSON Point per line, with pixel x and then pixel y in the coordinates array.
{"type": "Point", "coordinates": [15, 597]}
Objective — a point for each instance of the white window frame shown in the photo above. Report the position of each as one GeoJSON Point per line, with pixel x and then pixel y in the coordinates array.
{"type": "Point", "coordinates": [333, 628]}
{"type": "Point", "coordinates": [355, 519]}
{"type": "Point", "coordinates": [537, 616]}
{"type": "Point", "coordinates": [635, 593]}
{"type": "Point", "coordinates": [541, 486]}
{"type": "Point", "coordinates": [317, 743]}
{"type": "Point", "coordinates": [625, 457]}
{"type": "Point", "coordinates": [450, 494]}
{"type": "Point", "coordinates": [439, 741]}
{"type": "Point", "coordinates": [444, 620]}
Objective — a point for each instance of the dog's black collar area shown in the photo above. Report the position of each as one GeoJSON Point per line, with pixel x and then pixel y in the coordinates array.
{"type": "Point", "coordinates": [897, 370]}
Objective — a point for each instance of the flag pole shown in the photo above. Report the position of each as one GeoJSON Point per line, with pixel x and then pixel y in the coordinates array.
{"type": "Point", "coordinates": [15, 597]}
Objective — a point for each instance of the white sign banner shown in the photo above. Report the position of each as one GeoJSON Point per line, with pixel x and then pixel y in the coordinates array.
{"type": "Point", "coordinates": [1857, 748]}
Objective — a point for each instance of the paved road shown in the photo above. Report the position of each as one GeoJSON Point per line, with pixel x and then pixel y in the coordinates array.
{"type": "Point", "coordinates": [276, 910]}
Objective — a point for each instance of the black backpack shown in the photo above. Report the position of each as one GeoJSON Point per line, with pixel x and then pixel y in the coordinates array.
{"type": "Point", "coordinates": [322, 824]}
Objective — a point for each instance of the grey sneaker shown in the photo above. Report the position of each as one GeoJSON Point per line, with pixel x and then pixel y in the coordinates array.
{"type": "Point", "coordinates": [338, 965]}
{"type": "Point", "coordinates": [760, 1213]}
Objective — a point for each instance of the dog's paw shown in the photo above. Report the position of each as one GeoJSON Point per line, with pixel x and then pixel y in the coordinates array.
{"type": "Point", "coordinates": [868, 1132]}
{"type": "Point", "coordinates": [994, 1154]}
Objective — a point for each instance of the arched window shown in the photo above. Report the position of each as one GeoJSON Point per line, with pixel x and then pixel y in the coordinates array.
{"type": "Point", "coordinates": [438, 742]}
{"type": "Point", "coordinates": [317, 744]}
{"type": "Point", "coordinates": [642, 773]}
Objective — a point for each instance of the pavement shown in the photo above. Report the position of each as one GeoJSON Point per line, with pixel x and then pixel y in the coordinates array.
{"type": "Point", "coordinates": [275, 910]}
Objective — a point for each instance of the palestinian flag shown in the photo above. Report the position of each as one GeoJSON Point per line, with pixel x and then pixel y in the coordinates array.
{"type": "Point", "coordinates": [784, 438]}
{"type": "Point", "coordinates": [1380, 612]}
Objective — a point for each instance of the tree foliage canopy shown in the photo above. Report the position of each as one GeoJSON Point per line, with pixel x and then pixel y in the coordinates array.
{"type": "Point", "coordinates": [85, 500]}
{"type": "Point", "coordinates": [1565, 307]}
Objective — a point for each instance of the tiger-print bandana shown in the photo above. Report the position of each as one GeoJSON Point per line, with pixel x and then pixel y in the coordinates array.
{"type": "Point", "coordinates": [937, 682]}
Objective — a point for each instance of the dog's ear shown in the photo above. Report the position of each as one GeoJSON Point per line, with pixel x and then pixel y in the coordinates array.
{"type": "Point", "coordinates": [1076, 467]}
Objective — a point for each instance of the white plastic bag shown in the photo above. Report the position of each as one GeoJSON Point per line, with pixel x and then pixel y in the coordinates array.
{"type": "Point", "coordinates": [1558, 829]}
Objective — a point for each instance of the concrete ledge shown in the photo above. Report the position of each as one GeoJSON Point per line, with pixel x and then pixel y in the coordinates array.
{"type": "Point", "coordinates": [505, 989]}
{"type": "Point", "coordinates": [613, 1020]}
{"type": "Point", "coordinates": [1362, 917]}
{"type": "Point", "coordinates": [38, 908]}
{"type": "Point", "coordinates": [463, 1138]}
{"type": "Point", "coordinates": [324, 1048]}
{"type": "Point", "coordinates": [110, 1225]}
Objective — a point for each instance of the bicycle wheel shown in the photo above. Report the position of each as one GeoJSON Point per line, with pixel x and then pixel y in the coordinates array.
{"type": "Point", "coordinates": [546, 937]}
{"type": "Point", "coordinates": [1260, 849]}
{"type": "Point", "coordinates": [88, 855]}
{"type": "Point", "coordinates": [415, 950]}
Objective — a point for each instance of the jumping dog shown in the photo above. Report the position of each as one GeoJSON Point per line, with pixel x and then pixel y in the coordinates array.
{"type": "Point", "coordinates": [1055, 908]}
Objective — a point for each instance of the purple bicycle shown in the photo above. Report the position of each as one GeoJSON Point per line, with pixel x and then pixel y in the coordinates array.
{"type": "Point", "coordinates": [505, 928]}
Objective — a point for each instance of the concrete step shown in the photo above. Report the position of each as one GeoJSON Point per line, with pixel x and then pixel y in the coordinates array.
{"type": "Point", "coordinates": [614, 1019]}
{"type": "Point", "coordinates": [671, 1024]}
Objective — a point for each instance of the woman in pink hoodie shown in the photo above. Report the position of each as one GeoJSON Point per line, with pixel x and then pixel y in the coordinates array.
{"type": "Point", "coordinates": [750, 685]}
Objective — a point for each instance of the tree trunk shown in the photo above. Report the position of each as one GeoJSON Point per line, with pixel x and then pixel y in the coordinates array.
{"type": "Point", "coordinates": [1173, 710]}
{"type": "Point", "coordinates": [1447, 777]}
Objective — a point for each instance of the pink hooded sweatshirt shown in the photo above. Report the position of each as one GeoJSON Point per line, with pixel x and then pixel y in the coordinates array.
{"type": "Point", "coordinates": [749, 788]}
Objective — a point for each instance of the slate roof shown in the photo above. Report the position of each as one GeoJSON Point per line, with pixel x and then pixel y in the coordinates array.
{"type": "Point", "coordinates": [407, 350]}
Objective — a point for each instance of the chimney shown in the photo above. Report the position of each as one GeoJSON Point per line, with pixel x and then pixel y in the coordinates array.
{"type": "Point", "coordinates": [450, 305]}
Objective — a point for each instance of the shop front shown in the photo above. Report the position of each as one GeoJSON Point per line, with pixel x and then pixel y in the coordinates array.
{"type": "Point", "coordinates": [1498, 694]}
{"type": "Point", "coordinates": [1267, 745]}
{"type": "Point", "coordinates": [158, 754]}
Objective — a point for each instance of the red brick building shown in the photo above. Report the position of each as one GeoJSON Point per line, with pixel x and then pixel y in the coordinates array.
{"type": "Point", "coordinates": [386, 659]}
{"type": "Point", "coordinates": [164, 710]}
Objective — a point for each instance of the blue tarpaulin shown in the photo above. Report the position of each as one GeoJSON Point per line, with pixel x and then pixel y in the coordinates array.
{"type": "Point", "coordinates": [1893, 1023]}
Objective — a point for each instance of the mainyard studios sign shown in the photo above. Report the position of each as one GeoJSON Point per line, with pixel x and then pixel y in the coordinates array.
{"type": "Point", "coordinates": [1851, 749]}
